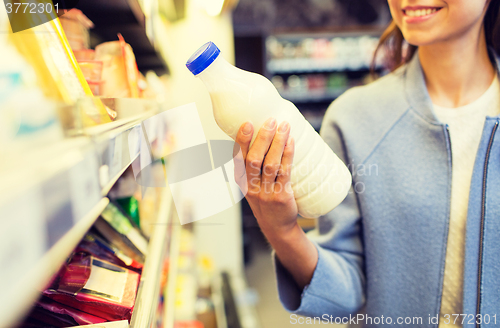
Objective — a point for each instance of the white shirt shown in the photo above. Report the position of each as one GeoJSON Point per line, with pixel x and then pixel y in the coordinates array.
{"type": "Point", "coordinates": [466, 127]}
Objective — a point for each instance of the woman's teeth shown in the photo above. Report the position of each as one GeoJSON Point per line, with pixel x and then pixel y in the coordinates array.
{"type": "Point", "coordinates": [420, 12]}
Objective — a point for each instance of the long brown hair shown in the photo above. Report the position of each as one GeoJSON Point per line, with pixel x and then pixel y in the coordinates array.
{"type": "Point", "coordinates": [398, 52]}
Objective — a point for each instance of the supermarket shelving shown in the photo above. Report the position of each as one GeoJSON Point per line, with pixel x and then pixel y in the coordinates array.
{"type": "Point", "coordinates": [149, 288]}
{"type": "Point", "coordinates": [169, 292]}
{"type": "Point", "coordinates": [128, 18]}
{"type": "Point", "coordinates": [312, 96]}
{"type": "Point", "coordinates": [313, 65]}
{"type": "Point", "coordinates": [357, 49]}
{"type": "Point", "coordinates": [52, 195]}
{"type": "Point", "coordinates": [39, 275]}
{"type": "Point", "coordinates": [321, 53]}
{"type": "Point", "coordinates": [116, 149]}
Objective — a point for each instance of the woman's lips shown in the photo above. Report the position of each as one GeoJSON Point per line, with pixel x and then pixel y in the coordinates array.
{"type": "Point", "coordinates": [419, 14]}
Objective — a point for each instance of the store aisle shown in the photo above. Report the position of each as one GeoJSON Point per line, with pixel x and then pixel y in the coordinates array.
{"type": "Point", "coordinates": [260, 276]}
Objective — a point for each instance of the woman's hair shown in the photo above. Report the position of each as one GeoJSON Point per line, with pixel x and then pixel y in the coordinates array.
{"type": "Point", "coordinates": [397, 51]}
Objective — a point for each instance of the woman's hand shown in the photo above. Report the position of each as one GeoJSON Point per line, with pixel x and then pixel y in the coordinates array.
{"type": "Point", "coordinates": [263, 172]}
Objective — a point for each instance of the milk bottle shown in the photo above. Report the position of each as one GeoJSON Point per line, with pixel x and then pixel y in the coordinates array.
{"type": "Point", "coordinates": [320, 180]}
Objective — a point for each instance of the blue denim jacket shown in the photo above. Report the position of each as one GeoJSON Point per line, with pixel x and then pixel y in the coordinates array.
{"type": "Point", "coordinates": [383, 249]}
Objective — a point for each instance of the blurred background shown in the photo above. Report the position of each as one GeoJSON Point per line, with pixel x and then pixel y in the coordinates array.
{"type": "Point", "coordinates": [88, 238]}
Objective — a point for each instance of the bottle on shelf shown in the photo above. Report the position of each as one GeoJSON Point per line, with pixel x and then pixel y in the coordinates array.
{"type": "Point", "coordinates": [320, 180]}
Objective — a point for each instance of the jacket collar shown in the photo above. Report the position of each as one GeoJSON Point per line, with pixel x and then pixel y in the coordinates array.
{"type": "Point", "coordinates": [416, 89]}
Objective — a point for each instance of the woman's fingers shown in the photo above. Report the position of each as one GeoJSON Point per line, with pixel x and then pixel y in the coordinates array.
{"type": "Point", "coordinates": [285, 171]}
{"type": "Point", "coordinates": [243, 139]}
{"type": "Point", "coordinates": [240, 150]}
{"type": "Point", "coordinates": [272, 162]}
{"type": "Point", "coordinates": [256, 154]}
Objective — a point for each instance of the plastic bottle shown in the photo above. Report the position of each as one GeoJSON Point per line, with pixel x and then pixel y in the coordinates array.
{"type": "Point", "coordinates": [320, 180]}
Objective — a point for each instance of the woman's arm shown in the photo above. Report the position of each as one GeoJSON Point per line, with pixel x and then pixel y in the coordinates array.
{"type": "Point", "coordinates": [321, 273]}
{"type": "Point", "coordinates": [295, 252]}
{"type": "Point", "coordinates": [264, 171]}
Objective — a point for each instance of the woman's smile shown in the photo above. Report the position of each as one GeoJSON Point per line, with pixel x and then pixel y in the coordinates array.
{"type": "Point", "coordinates": [417, 14]}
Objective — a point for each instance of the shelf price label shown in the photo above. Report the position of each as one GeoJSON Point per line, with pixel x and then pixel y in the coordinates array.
{"type": "Point", "coordinates": [84, 186]}
{"type": "Point", "coordinates": [23, 240]}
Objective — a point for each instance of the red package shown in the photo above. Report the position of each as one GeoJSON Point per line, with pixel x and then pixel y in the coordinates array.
{"type": "Point", "coordinates": [98, 247]}
{"type": "Point", "coordinates": [97, 287]}
{"type": "Point", "coordinates": [81, 318]}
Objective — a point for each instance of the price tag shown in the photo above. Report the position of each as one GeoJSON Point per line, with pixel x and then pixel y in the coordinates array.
{"type": "Point", "coordinates": [84, 186]}
{"type": "Point", "coordinates": [58, 207]}
{"type": "Point", "coordinates": [134, 142]}
{"type": "Point", "coordinates": [22, 240]}
{"type": "Point", "coordinates": [116, 157]}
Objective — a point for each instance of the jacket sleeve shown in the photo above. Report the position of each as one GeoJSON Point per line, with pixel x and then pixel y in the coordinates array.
{"type": "Point", "coordinates": [337, 285]}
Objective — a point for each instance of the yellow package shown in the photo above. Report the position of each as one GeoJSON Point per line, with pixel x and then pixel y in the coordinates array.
{"type": "Point", "coordinates": [46, 48]}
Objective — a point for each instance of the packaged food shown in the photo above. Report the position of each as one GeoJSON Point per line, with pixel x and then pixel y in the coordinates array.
{"type": "Point", "coordinates": [96, 87]}
{"type": "Point", "coordinates": [85, 54]}
{"type": "Point", "coordinates": [76, 26]}
{"type": "Point", "coordinates": [28, 119]}
{"type": "Point", "coordinates": [46, 48]}
{"type": "Point", "coordinates": [96, 287]}
{"type": "Point", "coordinates": [119, 69]}
{"type": "Point", "coordinates": [98, 247]}
{"type": "Point", "coordinates": [121, 223]}
{"type": "Point", "coordinates": [119, 231]}
{"type": "Point", "coordinates": [119, 241]}
{"type": "Point", "coordinates": [130, 206]}
{"type": "Point", "coordinates": [60, 315]}
{"type": "Point", "coordinates": [91, 69]}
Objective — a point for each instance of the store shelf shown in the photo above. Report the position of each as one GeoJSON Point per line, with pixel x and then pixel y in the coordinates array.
{"type": "Point", "coordinates": [295, 53]}
{"type": "Point", "coordinates": [312, 96]}
{"type": "Point", "coordinates": [149, 288]}
{"type": "Point", "coordinates": [119, 143]}
{"type": "Point", "coordinates": [234, 288]}
{"type": "Point", "coordinates": [169, 292]}
{"type": "Point", "coordinates": [314, 65]}
{"type": "Point", "coordinates": [52, 195]}
{"type": "Point", "coordinates": [111, 17]}
{"type": "Point", "coordinates": [38, 266]}
{"type": "Point", "coordinates": [218, 301]}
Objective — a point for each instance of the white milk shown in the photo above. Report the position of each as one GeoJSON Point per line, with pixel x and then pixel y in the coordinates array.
{"type": "Point", "coordinates": [320, 180]}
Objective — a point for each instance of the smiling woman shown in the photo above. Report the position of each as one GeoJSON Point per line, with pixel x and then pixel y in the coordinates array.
{"type": "Point", "coordinates": [415, 24]}
{"type": "Point", "coordinates": [421, 239]}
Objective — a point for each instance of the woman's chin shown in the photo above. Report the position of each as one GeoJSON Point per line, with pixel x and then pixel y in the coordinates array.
{"type": "Point", "coordinates": [419, 39]}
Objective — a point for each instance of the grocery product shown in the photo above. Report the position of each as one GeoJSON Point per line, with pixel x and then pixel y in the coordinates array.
{"type": "Point", "coordinates": [85, 54]}
{"type": "Point", "coordinates": [28, 119]}
{"type": "Point", "coordinates": [320, 180]}
{"type": "Point", "coordinates": [76, 26]}
{"type": "Point", "coordinates": [91, 69]}
{"type": "Point", "coordinates": [96, 87]}
{"type": "Point", "coordinates": [130, 205]}
{"type": "Point", "coordinates": [59, 315]}
{"type": "Point", "coordinates": [123, 225]}
{"type": "Point", "coordinates": [119, 69]}
{"type": "Point", "coordinates": [46, 49]}
{"type": "Point", "coordinates": [96, 246]}
{"type": "Point", "coordinates": [96, 287]}
{"type": "Point", "coordinates": [120, 232]}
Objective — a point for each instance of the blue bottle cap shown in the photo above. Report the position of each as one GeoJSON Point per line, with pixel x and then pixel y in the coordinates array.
{"type": "Point", "coordinates": [202, 58]}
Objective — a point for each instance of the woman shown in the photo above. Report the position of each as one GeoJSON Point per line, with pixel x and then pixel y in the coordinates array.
{"type": "Point", "coordinates": [418, 245]}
